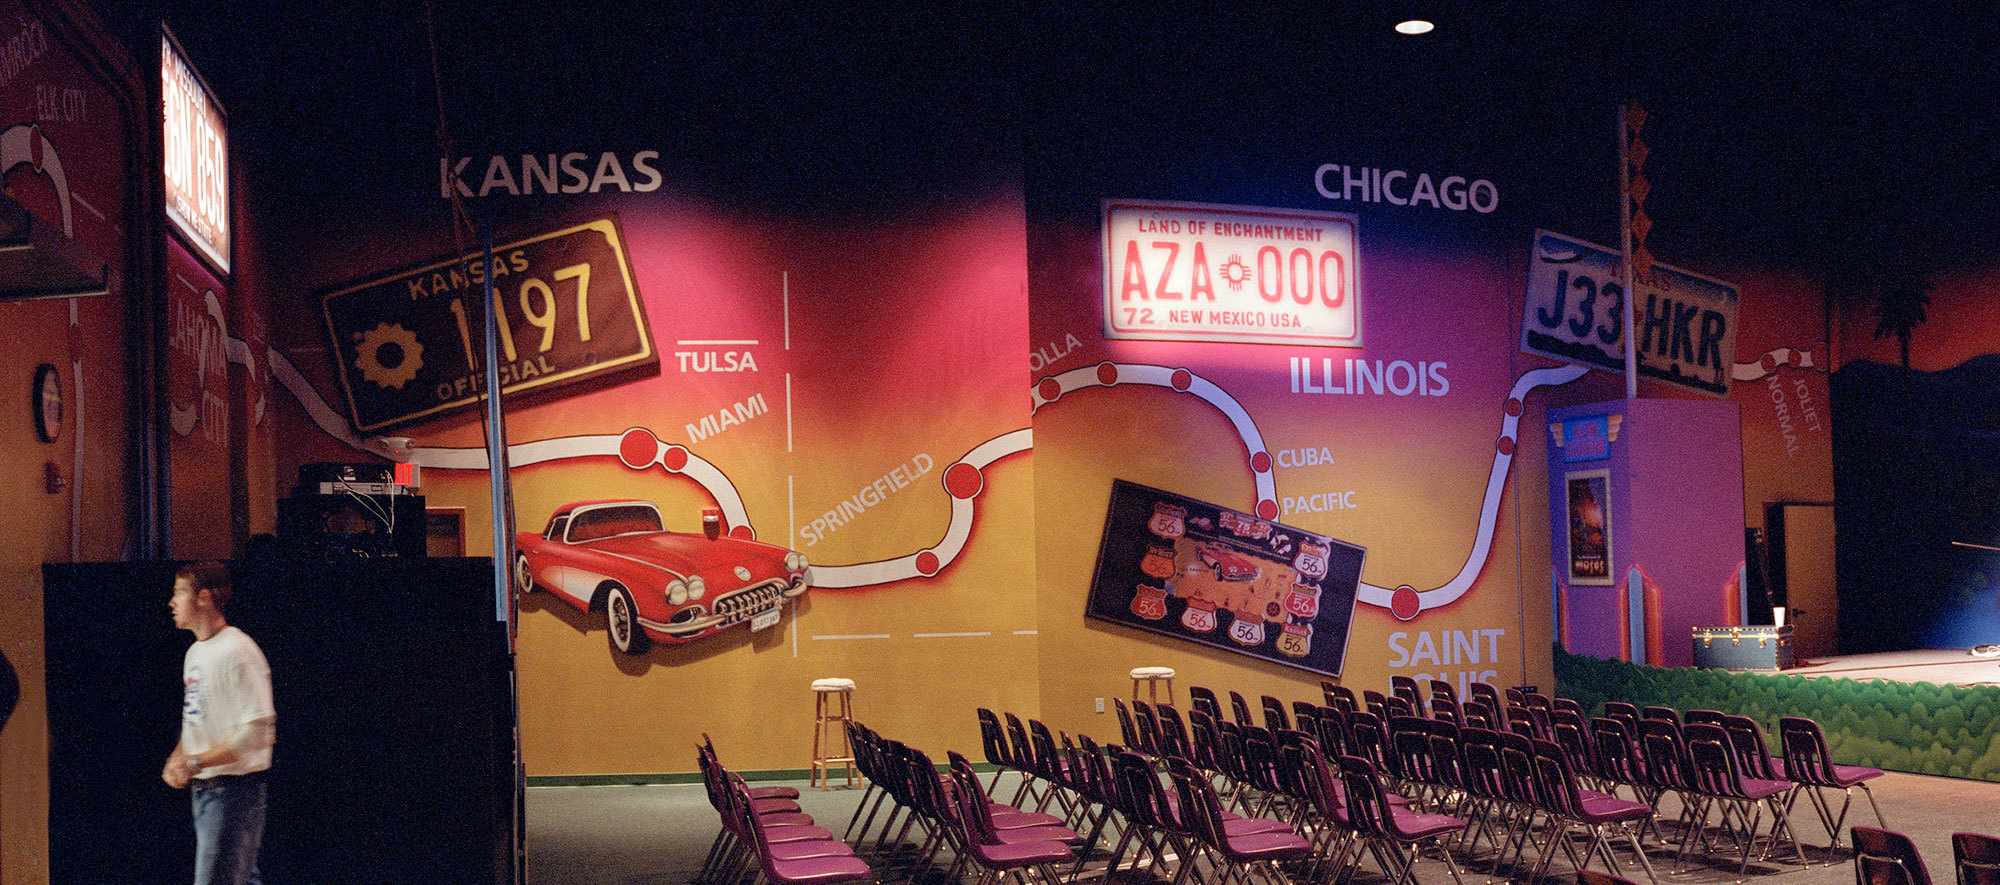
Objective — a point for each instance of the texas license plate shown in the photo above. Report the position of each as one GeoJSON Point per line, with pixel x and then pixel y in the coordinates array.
{"type": "Point", "coordinates": [766, 619]}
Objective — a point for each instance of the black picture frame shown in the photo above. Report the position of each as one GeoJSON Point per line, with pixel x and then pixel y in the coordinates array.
{"type": "Point", "coordinates": [1205, 574]}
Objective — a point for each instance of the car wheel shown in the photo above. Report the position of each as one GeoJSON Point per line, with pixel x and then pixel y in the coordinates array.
{"type": "Point", "coordinates": [524, 577]}
{"type": "Point", "coordinates": [622, 621]}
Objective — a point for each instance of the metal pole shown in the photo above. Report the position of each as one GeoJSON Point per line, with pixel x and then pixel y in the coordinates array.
{"type": "Point", "coordinates": [1625, 240]}
{"type": "Point", "coordinates": [503, 558]}
{"type": "Point", "coordinates": [496, 453]}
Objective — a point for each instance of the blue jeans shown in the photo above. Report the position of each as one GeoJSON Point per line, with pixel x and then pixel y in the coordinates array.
{"type": "Point", "coordinates": [228, 829]}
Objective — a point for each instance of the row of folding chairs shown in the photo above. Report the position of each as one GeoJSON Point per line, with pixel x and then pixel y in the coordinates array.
{"type": "Point", "coordinates": [1245, 760]}
{"type": "Point", "coordinates": [764, 831]}
{"type": "Point", "coordinates": [1513, 791]}
{"type": "Point", "coordinates": [930, 814]}
{"type": "Point", "coordinates": [1654, 751]}
{"type": "Point", "coordinates": [1169, 813]}
{"type": "Point", "coordinates": [1887, 857]}
{"type": "Point", "coordinates": [1729, 777]}
{"type": "Point", "coordinates": [1485, 708]}
{"type": "Point", "coordinates": [1536, 715]}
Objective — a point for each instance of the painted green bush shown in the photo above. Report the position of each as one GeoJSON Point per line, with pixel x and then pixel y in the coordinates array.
{"type": "Point", "coordinates": [1944, 730]}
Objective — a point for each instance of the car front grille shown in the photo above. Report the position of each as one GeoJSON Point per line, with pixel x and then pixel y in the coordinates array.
{"type": "Point", "coordinates": [749, 600]}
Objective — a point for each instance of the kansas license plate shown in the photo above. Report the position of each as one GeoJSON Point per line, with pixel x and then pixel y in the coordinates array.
{"type": "Point", "coordinates": [766, 619]}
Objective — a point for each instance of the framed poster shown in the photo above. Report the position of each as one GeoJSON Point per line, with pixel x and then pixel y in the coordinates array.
{"type": "Point", "coordinates": [1189, 569]}
{"type": "Point", "coordinates": [1587, 499]}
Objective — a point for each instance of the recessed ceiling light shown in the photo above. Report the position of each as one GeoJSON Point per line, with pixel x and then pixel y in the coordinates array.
{"type": "Point", "coordinates": [1414, 27]}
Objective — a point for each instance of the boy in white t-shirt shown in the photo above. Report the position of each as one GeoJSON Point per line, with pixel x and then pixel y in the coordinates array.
{"type": "Point", "coordinates": [228, 727]}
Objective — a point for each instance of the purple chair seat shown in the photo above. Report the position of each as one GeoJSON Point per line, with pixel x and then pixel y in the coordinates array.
{"type": "Point", "coordinates": [785, 819]}
{"type": "Point", "coordinates": [815, 848]}
{"type": "Point", "coordinates": [1025, 835]}
{"type": "Point", "coordinates": [1007, 817]}
{"type": "Point", "coordinates": [1849, 775]}
{"type": "Point", "coordinates": [816, 870]}
{"type": "Point", "coordinates": [1759, 789]}
{"type": "Point", "coordinates": [1010, 855]}
{"type": "Point", "coordinates": [1251, 826]}
{"type": "Point", "coordinates": [769, 806]}
{"type": "Point", "coordinates": [1601, 808]}
{"type": "Point", "coordinates": [795, 833]}
{"type": "Point", "coordinates": [1260, 846]}
{"type": "Point", "coordinates": [1232, 823]}
{"type": "Point", "coordinates": [774, 792]}
{"type": "Point", "coordinates": [1397, 799]}
{"type": "Point", "coordinates": [1411, 826]}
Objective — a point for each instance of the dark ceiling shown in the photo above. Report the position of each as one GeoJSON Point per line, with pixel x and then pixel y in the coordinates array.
{"type": "Point", "coordinates": [1843, 136]}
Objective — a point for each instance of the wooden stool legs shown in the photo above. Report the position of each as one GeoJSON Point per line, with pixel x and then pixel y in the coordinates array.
{"type": "Point", "coordinates": [835, 713]}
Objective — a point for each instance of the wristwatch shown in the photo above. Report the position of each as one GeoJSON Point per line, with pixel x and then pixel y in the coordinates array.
{"type": "Point", "coordinates": [194, 764]}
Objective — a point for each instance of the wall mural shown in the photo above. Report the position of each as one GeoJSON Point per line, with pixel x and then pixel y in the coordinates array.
{"type": "Point", "coordinates": [849, 390]}
{"type": "Point", "coordinates": [644, 448]}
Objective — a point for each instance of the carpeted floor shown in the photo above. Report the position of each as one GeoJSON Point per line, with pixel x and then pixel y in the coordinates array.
{"type": "Point", "coordinates": [658, 835]}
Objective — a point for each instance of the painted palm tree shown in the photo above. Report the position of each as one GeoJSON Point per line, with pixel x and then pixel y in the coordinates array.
{"type": "Point", "coordinates": [1899, 310]}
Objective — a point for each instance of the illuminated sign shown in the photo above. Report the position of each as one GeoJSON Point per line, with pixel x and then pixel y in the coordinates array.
{"type": "Point", "coordinates": [408, 342]}
{"type": "Point", "coordinates": [1686, 322]}
{"type": "Point", "coordinates": [1586, 439]}
{"type": "Point", "coordinates": [1197, 272]}
{"type": "Point", "coordinates": [195, 151]}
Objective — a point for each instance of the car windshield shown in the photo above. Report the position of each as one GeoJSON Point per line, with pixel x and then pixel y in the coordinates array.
{"type": "Point", "coordinates": [603, 522]}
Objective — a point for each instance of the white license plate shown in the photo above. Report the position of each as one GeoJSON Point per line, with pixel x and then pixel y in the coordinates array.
{"type": "Point", "coordinates": [767, 619]}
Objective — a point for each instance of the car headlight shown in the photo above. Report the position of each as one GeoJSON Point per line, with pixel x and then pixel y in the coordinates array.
{"type": "Point", "coordinates": [795, 561]}
{"type": "Point", "coordinates": [696, 586]}
{"type": "Point", "coordinates": [677, 592]}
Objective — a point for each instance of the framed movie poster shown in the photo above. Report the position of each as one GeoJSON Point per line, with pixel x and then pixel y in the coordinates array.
{"type": "Point", "coordinates": [1587, 496]}
{"type": "Point", "coordinates": [1184, 568]}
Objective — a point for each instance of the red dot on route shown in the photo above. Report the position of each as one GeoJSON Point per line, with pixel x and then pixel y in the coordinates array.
{"type": "Point", "coordinates": [1795, 358]}
{"type": "Point", "coordinates": [1267, 509]}
{"type": "Point", "coordinates": [1506, 445]}
{"type": "Point", "coordinates": [675, 458]}
{"type": "Point", "coordinates": [638, 448]}
{"type": "Point", "coordinates": [1514, 407]}
{"type": "Point", "coordinates": [1183, 379]}
{"type": "Point", "coordinates": [1050, 388]}
{"type": "Point", "coordinates": [1261, 462]}
{"type": "Point", "coordinates": [1404, 603]}
{"type": "Point", "coordinates": [927, 564]}
{"type": "Point", "coordinates": [742, 531]}
{"type": "Point", "coordinates": [1769, 362]}
{"type": "Point", "coordinates": [1107, 373]}
{"type": "Point", "coordinates": [963, 480]}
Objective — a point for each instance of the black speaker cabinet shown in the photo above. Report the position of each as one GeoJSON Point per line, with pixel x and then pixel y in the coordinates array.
{"type": "Point", "coordinates": [352, 525]}
{"type": "Point", "coordinates": [394, 761]}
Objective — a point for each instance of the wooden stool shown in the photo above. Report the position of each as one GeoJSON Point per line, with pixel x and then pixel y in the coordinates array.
{"type": "Point", "coordinates": [1152, 677]}
{"type": "Point", "coordinates": [838, 713]}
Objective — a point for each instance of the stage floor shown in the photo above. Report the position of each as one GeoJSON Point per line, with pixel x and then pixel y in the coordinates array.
{"type": "Point", "coordinates": [1940, 666]}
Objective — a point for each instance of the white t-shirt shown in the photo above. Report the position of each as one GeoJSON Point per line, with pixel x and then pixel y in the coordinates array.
{"type": "Point", "coordinates": [226, 684]}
